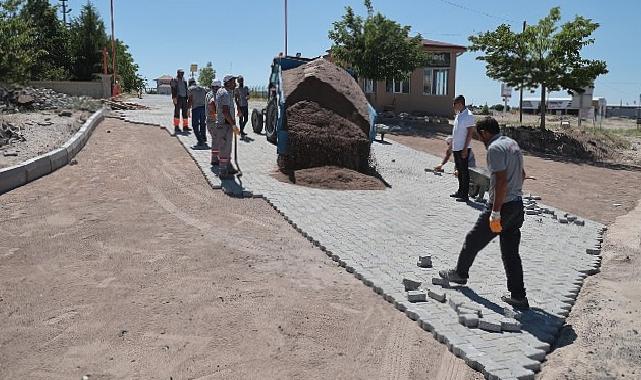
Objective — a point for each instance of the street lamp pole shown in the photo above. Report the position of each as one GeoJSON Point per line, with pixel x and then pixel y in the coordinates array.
{"type": "Point", "coordinates": [113, 44]}
{"type": "Point", "coordinates": [285, 27]}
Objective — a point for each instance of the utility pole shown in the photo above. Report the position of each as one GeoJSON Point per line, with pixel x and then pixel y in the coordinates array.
{"type": "Point", "coordinates": [639, 113]}
{"type": "Point", "coordinates": [521, 92]}
{"type": "Point", "coordinates": [285, 28]}
{"type": "Point", "coordinates": [113, 49]}
{"type": "Point", "coordinates": [65, 11]}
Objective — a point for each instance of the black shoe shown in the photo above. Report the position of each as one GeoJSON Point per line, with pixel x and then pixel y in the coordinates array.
{"type": "Point", "coordinates": [463, 199]}
{"type": "Point", "coordinates": [176, 131]}
{"type": "Point", "coordinates": [243, 134]}
{"type": "Point", "coordinates": [455, 195]}
{"type": "Point", "coordinates": [214, 163]}
{"type": "Point", "coordinates": [452, 275]}
{"type": "Point", "coordinates": [232, 170]}
{"type": "Point", "coordinates": [519, 303]}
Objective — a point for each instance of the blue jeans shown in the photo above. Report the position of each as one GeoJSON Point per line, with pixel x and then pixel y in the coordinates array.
{"type": "Point", "coordinates": [199, 124]}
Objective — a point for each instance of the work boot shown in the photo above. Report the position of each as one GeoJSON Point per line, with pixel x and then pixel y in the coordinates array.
{"type": "Point", "coordinates": [186, 129]}
{"type": "Point", "coordinates": [452, 275]}
{"type": "Point", "coordinates": [232, 170]}
{"type": "Point", "coordinates": [463, 199]}
{"type": "Point", "coordinates": [519, 303]}
{"type": "Point", "coordinates": [176, 131]}
{"type": "Point", "coordinates": [214, 162]}
{"type": "Point", "coordinates": [455, 195]}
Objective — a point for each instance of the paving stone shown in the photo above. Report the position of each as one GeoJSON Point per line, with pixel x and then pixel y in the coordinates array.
{"type": "Point", "coordinates": [416, 296]}
{"type": "Point", "coordinates": [437, 295]}
{"type": "Point", "coordinates": [510, 325]}
{"type": "Point", "coordinates": [410, 284]}
{"type": "Point", "coordinates": [440, 281]}
{"type": "Point", "coordinates": [424, 261]}
{"type": "Point", "coordinates": [490, 326]}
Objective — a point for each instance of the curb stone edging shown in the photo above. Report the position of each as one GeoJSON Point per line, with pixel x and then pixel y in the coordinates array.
{"type": "Point", "coordinates": [37, 167]}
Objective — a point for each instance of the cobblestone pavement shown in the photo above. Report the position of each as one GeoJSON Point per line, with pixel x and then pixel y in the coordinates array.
{"type": "Point", "coordinates": [379, 235]}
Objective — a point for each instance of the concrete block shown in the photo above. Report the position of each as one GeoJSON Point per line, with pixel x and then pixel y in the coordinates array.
{"type": "Point", "coordinates": [425, 261]}
{"type": "Point", "coordinates": [410, 284]}
{"type": "Point", "coordinates": [563, 221]}
{"type": "Point", "coordinates": [579, 222]}
{"type": "Point", "coordinates": [411, 314]}
{"type": "Point", "coordinates": [490, 326]}
{"type": "Point", "coordinates": [416, 296]}
{"type": "Point", "coordinates": [510, 325]}
{"type": "Point", "coordinates": [571, 218]}
{"type": "Point", "coordinates": [37, 167]}
{"type": "Point", "coordinates": [593, 251]}
{"type": "Point", "coordinates": [73, 145]}
{"type": "Point", "coordinates": [536, 198]}
{"type": "Point", "coordinates": [466, 307]}
{"type": "Point", "coordinates": [59, 158]}
{"type": "Point", "coordinates": [454, 304]}
{"type": "Point", "coordinates": [511, 313]}
{"type": "Point", "coordinates": [554, 216]}
{"type": "Point", "coordinates": [12, 177]}
{"type": "Point", "coordinates": [469, 320]}
{"type": "Point", "coordinates": [530, 212]}
{"type": "Point", "coordinates": [439, 296]}
{"type": "Point", "coordinates": [440, 281]}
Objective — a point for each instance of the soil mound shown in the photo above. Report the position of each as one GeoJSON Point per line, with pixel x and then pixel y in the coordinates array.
{"type": "Point", "coordinates": [327, 118]}
{"type": "Point", "coordinates": [332, 177]}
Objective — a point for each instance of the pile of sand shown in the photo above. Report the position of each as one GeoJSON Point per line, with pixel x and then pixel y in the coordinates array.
{"type": "Point", "coordinates": [327, 119]}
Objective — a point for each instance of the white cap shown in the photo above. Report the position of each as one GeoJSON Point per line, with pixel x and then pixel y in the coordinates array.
{"type": "Point", "coordinates": [216, 83]}
{"type": "Point", "coordinates": [228, 77]}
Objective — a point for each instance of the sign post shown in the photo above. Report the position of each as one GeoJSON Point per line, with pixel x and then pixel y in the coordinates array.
{"type": "Point", "coordinates": [506, 93]}
{"type": "Point", "coordinates": [193, 69]}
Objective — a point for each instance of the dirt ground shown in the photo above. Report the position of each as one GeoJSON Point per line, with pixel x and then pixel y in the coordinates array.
{"type": "Point", "coordinates": [129, 266]}
{"type": "Point", "coordinates": [331, 177]}
{"type": "Point", "coordinates": [43, 131]}
{"type": "Point", "coordinates": [601, 338]}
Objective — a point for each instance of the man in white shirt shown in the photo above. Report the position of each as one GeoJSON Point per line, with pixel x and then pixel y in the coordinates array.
{"type": "Point", "coordinates": [461, 142]}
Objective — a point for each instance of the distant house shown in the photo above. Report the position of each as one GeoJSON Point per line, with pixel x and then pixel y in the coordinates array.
{"type": "Point", "coordinates": [163, 84]}
{"type": "Point", "coordinates": [429, 90]}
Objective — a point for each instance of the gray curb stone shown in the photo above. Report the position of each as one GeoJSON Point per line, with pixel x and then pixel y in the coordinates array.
{"type": "Point", "coordinates": [34, 168]}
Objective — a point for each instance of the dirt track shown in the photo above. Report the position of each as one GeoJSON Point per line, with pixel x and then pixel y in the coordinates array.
{"type": "Point", "coordinates": [128, 265]}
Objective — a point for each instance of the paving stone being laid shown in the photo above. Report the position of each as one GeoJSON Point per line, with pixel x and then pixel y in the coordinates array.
{"type": "Point", "coordinates": [424, 261]}
{"type": "Point", "coordinates": [438, 295]}
{"type": "Point", "coordinates": [416, 296]}
{"type": "Point", "coordinates": [378, 235]}
{"type": "Point", "coordinates": [410, 284]}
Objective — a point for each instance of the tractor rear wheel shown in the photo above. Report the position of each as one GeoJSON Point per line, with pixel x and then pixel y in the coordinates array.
{"type": "Point", "coordinates": [271, 118]}
{"type": "Point", "coordinates": [257, 121]}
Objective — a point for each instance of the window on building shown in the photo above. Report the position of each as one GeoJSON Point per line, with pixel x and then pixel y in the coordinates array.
{"type": "Point", "coordinates": [398, 87]}
{"type": "Point", "coordinates": [435, 81]}
{"type": "Point", "coordinates": [369, 86]}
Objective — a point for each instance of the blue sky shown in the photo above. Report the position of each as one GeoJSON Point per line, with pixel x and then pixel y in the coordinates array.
{"type": "Point", "coordinates": [243, 36]}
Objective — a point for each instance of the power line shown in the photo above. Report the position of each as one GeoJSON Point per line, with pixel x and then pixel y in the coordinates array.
{"type": "Point", "coordinates": [483, 13]}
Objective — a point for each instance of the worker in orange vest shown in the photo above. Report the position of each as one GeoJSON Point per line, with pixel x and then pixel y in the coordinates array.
{"type": "Point", "coordinates": [181, 102]}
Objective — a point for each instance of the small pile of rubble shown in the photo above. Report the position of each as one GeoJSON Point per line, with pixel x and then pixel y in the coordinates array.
{"type": "Point", "coordinates": [21, 99]}
{"type": "Point", "coordinates": [9, 133]}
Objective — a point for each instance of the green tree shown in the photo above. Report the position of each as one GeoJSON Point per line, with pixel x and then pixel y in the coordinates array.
{"type": "Point", "coordinates": [128, 76]}
{"type": "Point", "coordinates": [88, 40]}
{"type": "Point", "coordinates": [544, 55]}
{"type": "Point", "coordinates": [18, 54]}
{"type": "Point", "coordinates": [375, 47]}
{"type": "Point", "coordinates": [485, 110]}
{"type": "Point", "coordinates": [50, 38]}
{"type": "Point", "coordinates": [206, 75]}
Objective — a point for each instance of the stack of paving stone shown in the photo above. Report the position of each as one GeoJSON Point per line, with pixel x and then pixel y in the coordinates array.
{"type": "Point", "coordinates": [533, 208]}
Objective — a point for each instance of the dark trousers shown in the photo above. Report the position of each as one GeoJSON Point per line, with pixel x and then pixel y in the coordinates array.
{"type": "Point", "coordinates": [512, 216]}
{"type": "Point", "coordinates": [199, 124]}
{"type": "Point", "coordinates": [181, 106]}
{"type": "Point", "coordinates": [461, 165]}
{"type": "Point", "coordinates": [244, 115]}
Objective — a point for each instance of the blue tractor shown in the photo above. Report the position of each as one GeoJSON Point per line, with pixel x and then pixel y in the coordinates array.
{"type": "Point", "coordinates": [273, 117]}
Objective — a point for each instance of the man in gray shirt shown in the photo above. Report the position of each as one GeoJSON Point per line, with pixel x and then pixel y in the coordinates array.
{"type": "Point", "coordinates": [225, 126]}
{"type": "Point", "coordinates": [179, 97]}
{"type": "Point", "coordinates": [503, 217]}
{"type": "Point", "coordinates": [196, 99]}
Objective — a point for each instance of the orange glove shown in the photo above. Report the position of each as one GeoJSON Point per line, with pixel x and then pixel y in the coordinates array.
{"type": "Point", "coordinates": [495, 222]}
{"type": "Point", "coordinates": [236, 130]}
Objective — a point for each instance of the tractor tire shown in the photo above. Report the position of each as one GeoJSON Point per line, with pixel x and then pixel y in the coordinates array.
{"type": "Point", "coordinates": [271, 118]}
{"type": "Point", "coordinates": [257, 121]}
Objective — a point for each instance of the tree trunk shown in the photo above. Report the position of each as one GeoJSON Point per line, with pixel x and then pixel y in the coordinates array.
{"type": "Point", "coordinates": [543, 106]}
